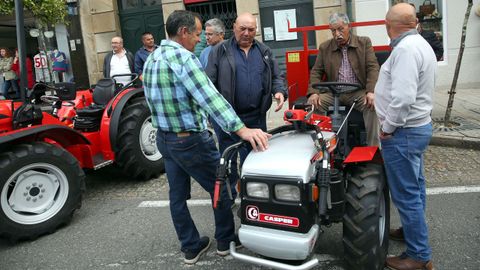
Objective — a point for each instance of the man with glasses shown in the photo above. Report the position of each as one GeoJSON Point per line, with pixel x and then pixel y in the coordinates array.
{"type": "Point", "coordinates": [246, 74]}
{"type": "Point", "coordinates": [214, 32]}
{"type": "Point", "coordinates": [118, 61]}
{"type": "Point", "coordinates": [347, 58]}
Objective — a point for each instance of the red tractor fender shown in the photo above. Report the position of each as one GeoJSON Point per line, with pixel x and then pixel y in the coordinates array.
{"type": "Point", "coordinates": [58, 134]}
{"type": "Point", "coordinates": [364, 154]}
{"type": "Point", "coordinates": [111, 119]}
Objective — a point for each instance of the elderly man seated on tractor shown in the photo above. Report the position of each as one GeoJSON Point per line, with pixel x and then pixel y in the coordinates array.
{"type": "Point", "coordinates": [347, 58]}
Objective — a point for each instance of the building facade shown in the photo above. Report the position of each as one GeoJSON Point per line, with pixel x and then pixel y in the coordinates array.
{"type": "Point", "coordinates": [86, 40]}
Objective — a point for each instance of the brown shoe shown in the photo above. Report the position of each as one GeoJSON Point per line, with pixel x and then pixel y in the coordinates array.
{"type": "Point", "coordinates": [397, 234]}
{"type": "Point", "coordinates": [403, 262]}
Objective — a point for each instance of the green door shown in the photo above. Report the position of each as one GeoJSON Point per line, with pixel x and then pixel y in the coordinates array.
{"type": "Point", "coordinates": [137, 17]}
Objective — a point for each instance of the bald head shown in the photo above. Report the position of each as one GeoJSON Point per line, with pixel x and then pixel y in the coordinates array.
{"type": "Point", "coordinates": [400, 18]}
{"type": "Point", "coordinates": [246, 18]}
{"type": "Point", "coordinates": [245, 28]}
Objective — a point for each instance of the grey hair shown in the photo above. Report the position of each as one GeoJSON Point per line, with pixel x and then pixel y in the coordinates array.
{"type": "Point", "coordinates": [336, 17]}
{"type": "Point", "coordinates": [217, 25]}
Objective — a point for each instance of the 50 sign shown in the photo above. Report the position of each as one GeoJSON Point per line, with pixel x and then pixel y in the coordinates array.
{"type": "Point", "coordinates": [40, 61]}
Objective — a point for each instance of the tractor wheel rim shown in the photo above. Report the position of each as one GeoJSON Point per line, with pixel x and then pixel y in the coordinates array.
{"type": "Point", "coordinates": [381, 220]}
{"type": "Point", "coordinates": [34, 193]}
{"type": "Point", "coordinates": [148, 140]}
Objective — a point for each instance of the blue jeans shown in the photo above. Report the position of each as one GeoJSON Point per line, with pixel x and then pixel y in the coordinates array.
{"type": "Point", "coordinates": [6, 87]}
{"type": "Point", "coordinates": [403, 157]}
{"type": "Point", "coordinates": [193, 156]}
{"type": "Point", "coordinates": [225, 140]}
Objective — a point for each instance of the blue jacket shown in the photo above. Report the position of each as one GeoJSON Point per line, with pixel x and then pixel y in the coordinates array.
{"type": "Point", "coordinates": [221, 71]}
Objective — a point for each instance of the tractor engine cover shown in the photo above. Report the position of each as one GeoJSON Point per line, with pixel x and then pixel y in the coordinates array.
{"type": "Point", "coordinates": [287, 157]}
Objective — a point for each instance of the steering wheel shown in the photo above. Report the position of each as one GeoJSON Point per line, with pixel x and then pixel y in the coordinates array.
{"type": "Point", "coordinates": [336, 88]}
{"type": "Point", "coordinates": [50, 99]}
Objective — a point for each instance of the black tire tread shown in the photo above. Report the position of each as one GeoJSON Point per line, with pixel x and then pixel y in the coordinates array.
{"type": "Point", "coordinates": [74, 200]}
{"type": "Point", "coordinates": [127, 155]}
{"type": "Point", "coordinates": [360, 222]}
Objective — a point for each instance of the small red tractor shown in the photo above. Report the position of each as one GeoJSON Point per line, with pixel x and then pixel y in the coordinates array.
{"type": "Point", "coordinates": [317, 171]}
{"type": "Point", "coordinates": [44, 150]}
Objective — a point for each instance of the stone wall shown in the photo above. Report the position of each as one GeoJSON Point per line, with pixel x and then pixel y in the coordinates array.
{"type": "Point", "coordinates": [100, 22]}
{"type": "Point", "coordinates": [321, 11]}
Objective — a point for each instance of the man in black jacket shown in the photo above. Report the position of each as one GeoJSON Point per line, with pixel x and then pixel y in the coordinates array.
{"type": "Point", "coordinates": [433, 40]}
{"type": "Point", "coordinates": [247, 75]}
{"type": "Point", "coordinates": [118, 61]}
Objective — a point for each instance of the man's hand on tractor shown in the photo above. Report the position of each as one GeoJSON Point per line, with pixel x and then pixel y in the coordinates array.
{"type": "Point", "coordinates": [314, 99]}
{"type": "Point", "coordinates": [280, 100]}
{"type": "Point", "coordinates": [257, 137]}
{"type": "Point", "coordinates": [369, 100]}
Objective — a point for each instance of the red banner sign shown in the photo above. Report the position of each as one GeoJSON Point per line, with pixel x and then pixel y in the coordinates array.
{"type": "Point", "coordinates": [254, 214]}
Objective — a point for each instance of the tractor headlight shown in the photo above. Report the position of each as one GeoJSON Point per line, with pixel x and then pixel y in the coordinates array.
{"type": "Point", "coordinates": [257, 190]}
{"type": "Point", "coordinates": [287, 193]}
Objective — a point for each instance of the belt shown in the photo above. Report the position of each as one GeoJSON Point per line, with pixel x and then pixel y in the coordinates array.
{"type": "Point", "coordinates": [184, 134]}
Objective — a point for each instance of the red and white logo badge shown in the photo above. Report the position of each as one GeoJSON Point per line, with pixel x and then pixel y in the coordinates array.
{"type": "Point", "coordinates": [254, 214]}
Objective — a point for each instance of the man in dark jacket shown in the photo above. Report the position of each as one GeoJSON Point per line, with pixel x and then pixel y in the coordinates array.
{"type": "Point", "coordinates": [247, 75]}
{"type": "Point", "coordinates": [118, 61]}
{"type": "Point", "coordinates": [433, 40]}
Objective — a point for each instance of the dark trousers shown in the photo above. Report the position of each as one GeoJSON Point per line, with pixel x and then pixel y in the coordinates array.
{"type": "Point", "coordinates": [6, 87]}
{"type": "Point", "coordinates": [193, 156]}
{"type": "Point", "coordinates": [225, 140]}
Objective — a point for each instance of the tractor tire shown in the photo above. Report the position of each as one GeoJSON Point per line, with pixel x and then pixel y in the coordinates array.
{"type": "Point", "coordinates": [41, 185]}
{"type": "Point", "coordinates": [137, 154]}
{"type": "Point", "coordinates": [367, 218]}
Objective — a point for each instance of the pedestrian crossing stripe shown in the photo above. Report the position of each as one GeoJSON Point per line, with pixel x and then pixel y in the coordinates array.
{"type": "Point", "coordinates": [430, 191]}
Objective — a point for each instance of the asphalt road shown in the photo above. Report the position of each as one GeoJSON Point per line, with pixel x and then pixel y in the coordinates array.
{"type": "Point", "coordinates": [111, 231]}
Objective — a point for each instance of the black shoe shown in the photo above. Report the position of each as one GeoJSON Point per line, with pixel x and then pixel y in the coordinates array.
{"type": "Point", "coordinates": [192, 257]}
{"type": "Point", "coordinates": [223, 248]}
{"type": "Point", "coordinates": [397, 234]}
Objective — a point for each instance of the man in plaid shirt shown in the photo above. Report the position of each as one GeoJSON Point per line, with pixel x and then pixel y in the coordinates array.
{"type": "Point", "coordinates": [180, 96]}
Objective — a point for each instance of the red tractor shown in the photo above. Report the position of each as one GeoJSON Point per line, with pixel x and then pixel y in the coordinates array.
{"type": "Point", "coordinates": [44, 151]}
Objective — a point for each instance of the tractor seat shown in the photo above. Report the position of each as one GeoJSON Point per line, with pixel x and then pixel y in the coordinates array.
{"type": "Point", "coordinates": [103, 92]}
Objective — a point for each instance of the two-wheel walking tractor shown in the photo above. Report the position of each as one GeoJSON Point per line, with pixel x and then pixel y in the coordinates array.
{"type": "Point", "coordinates": [317, 171]}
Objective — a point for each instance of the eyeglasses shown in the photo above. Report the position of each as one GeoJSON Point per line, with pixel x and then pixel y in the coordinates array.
{"type": "Point", "coordinates": [211, 34]}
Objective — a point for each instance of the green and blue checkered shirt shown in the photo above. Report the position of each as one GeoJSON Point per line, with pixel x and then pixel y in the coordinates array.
{"type": "Point", "coordinates": [179, 93]}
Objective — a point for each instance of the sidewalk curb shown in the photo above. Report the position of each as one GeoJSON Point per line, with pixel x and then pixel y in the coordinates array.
{"type": "Point", "coordinates": [459, 142]}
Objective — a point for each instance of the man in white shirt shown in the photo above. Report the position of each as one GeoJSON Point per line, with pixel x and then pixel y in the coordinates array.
{"type": "Point", "coordinates": [403, 103]}
{"type": "Point", "coordinates": [118, 61]}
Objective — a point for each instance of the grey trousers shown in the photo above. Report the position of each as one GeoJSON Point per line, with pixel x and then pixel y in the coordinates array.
{"type": "Point", "coordinates": [370, 119]}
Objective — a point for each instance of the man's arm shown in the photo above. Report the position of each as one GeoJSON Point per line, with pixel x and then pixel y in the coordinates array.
{"type": "Point", "coordinates": [372, 68]}
{"type": "Point", "coordinates": [405, 78]}
{"type": "Point", "coordinates": [207, 97]}
{"type": "Point", "coordinates": [106, 65]}
{"type": "Point", "coordinates": [316, 75]}
{"type": "Point", "coordinates": [131, 61]}
{"type": "Point", "coordinates": [138, 63]}
{"type": "Point", "coordinates": [279, 90]}
{"type": "Point", "coordinates": [212, 65]}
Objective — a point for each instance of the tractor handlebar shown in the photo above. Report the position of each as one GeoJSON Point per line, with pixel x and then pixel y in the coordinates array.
{"type": "Point", "coordinates": [337, 88]}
